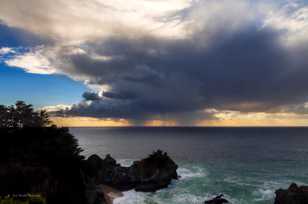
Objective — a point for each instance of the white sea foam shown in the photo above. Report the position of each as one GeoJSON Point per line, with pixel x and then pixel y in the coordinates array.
{"type": "Point", "coordinates": [267, 190]}
{"type": "Point", "coordinates": [264, 194]}
{"type": "Point", "coordinates": [194, 172]}
{"type": "Point", "coordinates": [125, 162]}
{"type": "Point", "coordinates": [188, 198]}
{"type": "Point", "coordinates": [131, 197]}
{"type": "Point", "coordinates": [236, 180]}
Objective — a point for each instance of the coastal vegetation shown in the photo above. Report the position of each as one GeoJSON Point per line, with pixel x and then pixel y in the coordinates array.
{"type": "Point", "coordinates": [23, 199]}
{"type": "Point", "coordinates": [37, 157]}
{"type": "Point", "coordinates": [22, 115]}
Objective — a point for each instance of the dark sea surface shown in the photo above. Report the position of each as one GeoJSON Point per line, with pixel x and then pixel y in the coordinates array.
{"type": "Point", "coordinates": [247, 165]}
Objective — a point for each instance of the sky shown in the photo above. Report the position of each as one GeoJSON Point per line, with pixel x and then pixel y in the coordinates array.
{"type": "Point", "coordinates": [157, 62]}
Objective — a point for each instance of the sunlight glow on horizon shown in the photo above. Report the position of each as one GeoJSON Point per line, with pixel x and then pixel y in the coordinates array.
{"type": "Point", "coordinates": [87, 122]}
{"type": "Point", "coordinates": [295, 121]}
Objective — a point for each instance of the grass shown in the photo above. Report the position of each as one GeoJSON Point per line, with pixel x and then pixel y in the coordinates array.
{"type": "Point", "coordinates": [23, 199]}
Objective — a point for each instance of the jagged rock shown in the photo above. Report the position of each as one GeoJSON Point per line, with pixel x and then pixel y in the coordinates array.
{"type": "Point", "coordinates": [293, 195]}
{"type": "Point", "coordinates": [150, 174]}
{"type": "Point", "coordinates": [154, 172]}
{"type": "Point", "coordinates": [107, 171]}
{"type": "Point", "coordinates": [217, 200]}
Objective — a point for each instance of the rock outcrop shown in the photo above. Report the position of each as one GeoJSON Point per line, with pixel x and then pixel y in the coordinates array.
{"type": "Point", "coordinates": [293, 195]}
{"type": "Point", "coordinates": [217, 200]}
{"type": "Point", "coordinates": [150, 174]}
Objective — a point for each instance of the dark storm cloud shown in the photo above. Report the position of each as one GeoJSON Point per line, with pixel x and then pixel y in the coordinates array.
{"type": "Point", "coordinates": [249, 70]}
{"type": "Point", "coordinates": [121, 96]}
{"type": "Point", "coordinates": [225, 55]}
{"type": "Point", "coordinates": [90, 96]}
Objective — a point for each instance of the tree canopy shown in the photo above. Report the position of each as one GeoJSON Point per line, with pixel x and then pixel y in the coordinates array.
{"type": "Point", "coordinates": [22, 115]}
{"type": "Point", "coordinates": [37, 157]}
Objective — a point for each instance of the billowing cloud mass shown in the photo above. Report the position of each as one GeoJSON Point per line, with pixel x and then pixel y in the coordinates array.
{"type": "Point", "coordinates": [171, 59]}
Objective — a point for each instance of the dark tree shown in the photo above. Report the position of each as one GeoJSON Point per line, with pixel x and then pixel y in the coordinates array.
{"type": "Point", "coordinates": [37, 157]}
{"type": "Point", "coordinates": [22, 115]}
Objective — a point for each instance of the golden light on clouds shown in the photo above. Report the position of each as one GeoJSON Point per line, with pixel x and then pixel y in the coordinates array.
{"type": "Point", "coordinates": [88, 122]}
{"type": "Point", "coordinates": [261, 119]}
{"type": "Point", "coordinates": [221, 119]}
{"type": "Point", "coordinates": [154, 123]}
{"type": "Point", "coordinates": [97, 122]}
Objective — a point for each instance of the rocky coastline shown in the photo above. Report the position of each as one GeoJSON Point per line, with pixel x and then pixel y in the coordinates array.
{"type": "Point", "coordinates": [293, 195]}
{"type": "Point", "coordinates": [103, 177]}
{"type": "Point", "coordinates": [47, 161]}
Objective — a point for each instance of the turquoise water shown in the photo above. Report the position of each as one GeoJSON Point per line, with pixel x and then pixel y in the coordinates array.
{"type": "Point", "coordinates": [247, 165]}
{"type": "Point", "coordinates": [200, 182]}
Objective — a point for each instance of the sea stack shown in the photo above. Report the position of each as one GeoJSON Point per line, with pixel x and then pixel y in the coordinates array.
{"type": "Point", "coordinates": [293, 195]}
{"type": "Point", "coordinates": [147, 175]}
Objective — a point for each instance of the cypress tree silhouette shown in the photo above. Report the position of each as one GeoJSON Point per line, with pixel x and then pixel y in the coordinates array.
{"type": "Point", "coordinates": [38, 157]}
{"type": "Point", "coordinates": [22, 115]}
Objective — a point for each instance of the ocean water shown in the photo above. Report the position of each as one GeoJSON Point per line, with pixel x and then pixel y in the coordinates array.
{"type": "Point", "coordinates": [247, 165]}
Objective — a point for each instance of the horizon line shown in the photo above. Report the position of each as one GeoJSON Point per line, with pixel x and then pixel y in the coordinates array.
{"type": "Point", "coordinates": [185, 126]}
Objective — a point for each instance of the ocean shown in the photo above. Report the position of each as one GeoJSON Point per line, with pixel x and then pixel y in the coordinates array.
{"type": "Point", "coordinates": [247, 165]}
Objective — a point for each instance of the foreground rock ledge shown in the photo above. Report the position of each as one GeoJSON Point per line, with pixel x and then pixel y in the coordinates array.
{"type": "Point", "coordinates": [217, 200]}
{"type": "Point", "coordinates": [293, 195]}
{"type": "Point", "coordinates": [147, 175]}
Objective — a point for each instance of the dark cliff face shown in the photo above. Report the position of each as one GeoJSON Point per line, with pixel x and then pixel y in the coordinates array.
{"type": "Point", "coordinates": [149, 174]}
{"type": "Point", "coordinates": [293, 195]}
